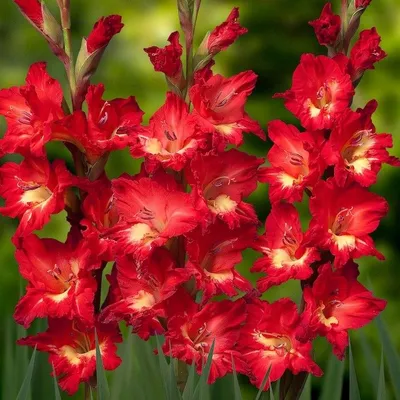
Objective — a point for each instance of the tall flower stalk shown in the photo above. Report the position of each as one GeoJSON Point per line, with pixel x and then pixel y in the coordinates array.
{"type": "Point", "coordinates": [175, 232]}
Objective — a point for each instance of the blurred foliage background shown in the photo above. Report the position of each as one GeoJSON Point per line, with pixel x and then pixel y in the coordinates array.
{"type": "Point", "coordinates": [278, 34]}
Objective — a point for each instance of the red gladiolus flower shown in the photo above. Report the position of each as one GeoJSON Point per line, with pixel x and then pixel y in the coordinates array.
{"type": "Point", "coordinates": [327, 26]}
{"type": "Point", "coordinates": [226, 33]}
{"type": "Point", "coordinates": [149, 215]}
{"type": "Point", "coordinates": [213, 256]}
{"type": "Point", "coordinates": [286, 256]}
{"type": "Point", "coordinates": [143, 289]}
{"type": "Point", "coordinates": [60, 280]}
{"type": "Point", "coordinates": [365, 53]}
{"type": "Point", "coordinates": [100, 214]}
{"type": "Point", "coordinates": [343, 218]}
{"type": "Point", "coordinates": [103, 31]}
{"type": "Point", "coordinates": [356, 150]}
{"type": "Point", "coordinates": [295, 163]}
{"type": "Point", "coordinates": [33, 190]}
{"type": "Point", "coordinates": [320, 91]}
{"type": "Point", "coordinates": [268, 339]}
{"type": "Point", "coordinates": [30, 111]}
{"type": "Point", "coordinates": [219, 184]}
{"type": "Point", "coordinates": [172, 137]}
{"type": "Point", "coordinates": [111, 124]}
{"type": "Point", "coordinates": [168, 59]}
{"type": "Point", "coordinates": [190, 336]}
{"type": "Point", "coordinates": [220, 103]}
{"type": "Point", "coordinates": [336, 303]}
{"type": "Point", "coordinates": [72, 351]}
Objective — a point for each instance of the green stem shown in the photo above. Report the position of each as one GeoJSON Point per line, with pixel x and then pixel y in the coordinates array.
{"type": "Point", "coordinates": [66, 28]}
{"type": "Point", "coordinates": [87, 391]}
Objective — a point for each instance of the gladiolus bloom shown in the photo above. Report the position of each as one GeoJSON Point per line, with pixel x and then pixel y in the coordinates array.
{"type": "Point", "coordinates": [220, 103]}
{"type": "Point", "coordinates": [343, 218]}
{"type": "Point", "coordinates": [72, 351]}
{"type": "Point", "coordinates": [33, 191]}
{"type": "Point", "coordinates": [190, 336]}
{"type": "Point", "coordinates": [60, 280]}
{"type": "Point", "coordinates": [285, 255]}
{"type": "Point", "coordinates": [320, 91]}
{"type": "Point", "coordinates": [336, 303]}
{"type": "Point", "coordinates": [268, 339]}
{"type": "Point", "coordinates": [295, 163]}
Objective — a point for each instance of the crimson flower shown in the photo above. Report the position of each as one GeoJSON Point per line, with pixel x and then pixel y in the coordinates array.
{"type": "Point", "coordinates": [285, 254]}
{"type": "Point", "coordinates": [268, 340]}
{"type": "Point", "coordinates": [336, 303]}
{"type": "Point", "coordinates": [226, 33]}
{"type": "Point", "coordinates": [190, 336]}
{"type": "Point", "coordinates": [365, 53]}
{"type": "Point", "coordinates": [320, 91]}
{"type": "Point", "coordinates": [168, 59]}
{"type": "Point", "coordinates": [356, 150]}
{"type": "Point", "coordinates": [109, 125]}
{"type": "Point", "coordinates": [99, 214]}
{"type": "Point", "coordinates": [103, 31]}
{"type": "Point", "coordinates": [72, 351]}
{"type": "Point", "coordinates": [295, 162]}
{"type": "Point", "coordinates": [143, 289]}
{"type": "Point", "coordinates": [327, 26]}
{"type": "Point", "coordinates": [172, 138]}
{"type": "Point", "coordinates": [213, 255]}
{"type": "Point", "coordinates": [30, 111]}
{"type": "Point", "coordinates": [220, 103]}
{"type": "Point", "coordinates": [33, 191]}
{"type": "Point", "coordinates": [60, 280]}
{"type": "Point", "coordinates": [149, 214]}
{"type": "Point", "coordinates": [343, 218]}
{"type": "Point", "coordinates": [219, 184]}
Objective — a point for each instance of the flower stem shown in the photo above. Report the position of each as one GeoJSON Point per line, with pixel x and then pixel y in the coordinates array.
{"type": "Point", "coordinates": [66, 28]}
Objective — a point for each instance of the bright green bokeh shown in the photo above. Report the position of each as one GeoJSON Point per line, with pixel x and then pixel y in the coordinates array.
{"type": "Point", "coordinates": [278, 35]}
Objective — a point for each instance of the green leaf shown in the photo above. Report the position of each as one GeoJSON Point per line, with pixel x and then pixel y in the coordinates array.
{"type": "Point", "coordinates": [57, 394]}
{"type": "Point", "coordinates": [381, 380]}
{"type": "Point", "coordinates": [263, 383]}
{"type": "Point", "coordinates": [370, 361]}
{"type": "Point", "coordinates": [145, 364]}
{"type": "Point", "coordinates": [236, 388]}
{"type": "Point", "coordinates": [277, 389]}
{"type": "Point", "coordinates": [202, 391]}
{"type": "Point", "coordinates": [24, 392]}
{"type": "Point", "coordinates": [103, 392]}
{"type": "Point", "coordinates": [333, 380]}
{"type": "Point", "coordinates": [168, 373]}
{"type": "Point", "coordinates": [9, 384]}
{"type": "Point", "coordinates": [306, 393]}
{"type": "Point", "coordinates": [189, 387]}
{"type": "Point", "coordinates": [392, 356]}
{"type": "Point", "coordinates": [354, 392]}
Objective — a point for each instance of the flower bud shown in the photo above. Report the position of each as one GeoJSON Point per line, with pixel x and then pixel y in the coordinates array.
{"type": "Point", "coordinates": [40, 17]}
{"type": "Point", "coordinates": [92, 50]}
{"type": "Point", "coordinates": [168, 59]}
{"type": "Point", "coordinates": [362, 3]}
{"type": "Point", "coordinates": [327, 26]}
{"type": "Point", "coordinates": [365, 53]}
{"type": "Point", "coordinates": [225, 34]}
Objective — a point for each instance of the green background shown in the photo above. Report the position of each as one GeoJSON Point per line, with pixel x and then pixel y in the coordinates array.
{"type": "Point", "coordinates": [278, 35]}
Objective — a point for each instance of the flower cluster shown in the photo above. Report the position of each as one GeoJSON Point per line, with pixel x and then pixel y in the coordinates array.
{"type": "Point", "coordinates": [176, 231]}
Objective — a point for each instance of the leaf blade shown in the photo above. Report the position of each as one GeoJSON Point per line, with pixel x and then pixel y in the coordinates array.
{"type": "Point", "coordinates": [354, 392]}
{"type": "Point", "coordinates": [333, 379]}
{"type": "Point", "coordinates": [103, 392]}
{"type": "Point", "coordinates": [24, 392]}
